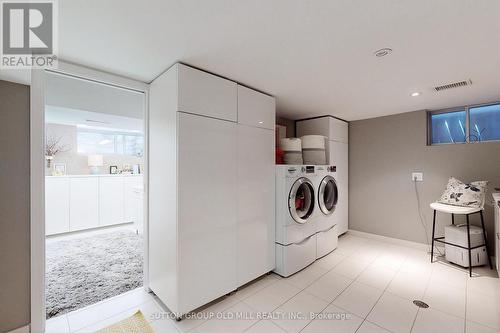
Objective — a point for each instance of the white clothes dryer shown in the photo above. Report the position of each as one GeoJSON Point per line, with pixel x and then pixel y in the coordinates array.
{"type": "Point", "coordinates": [326, 219]}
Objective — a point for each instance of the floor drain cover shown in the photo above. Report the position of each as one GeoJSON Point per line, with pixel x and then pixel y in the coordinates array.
{"type": "Point", "coordinates": [421, 304]}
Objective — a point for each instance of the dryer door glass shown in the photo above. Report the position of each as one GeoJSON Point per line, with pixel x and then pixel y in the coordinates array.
{"type": "Point", "coordinates": [301, 200]}
{"type": "Point", "coordinates": [328, 195]}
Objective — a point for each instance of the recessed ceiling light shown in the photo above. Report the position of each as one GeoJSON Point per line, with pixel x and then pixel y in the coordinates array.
{"type": "Point", "coordinates": [415, 94]}
{"type": "Point", "coordinates": [261, 122]}
{"type": "Point", "coordinates": [383, 52]}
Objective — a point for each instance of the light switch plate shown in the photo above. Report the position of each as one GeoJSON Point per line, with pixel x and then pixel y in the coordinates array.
{"type": "Point", "coordinates": [417, 176]}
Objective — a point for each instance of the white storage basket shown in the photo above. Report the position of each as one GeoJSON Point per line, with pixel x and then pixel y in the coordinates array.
{"type": "Point", "coordinates": [457, 234]}
{"type": "Point", "coordinates": [292, 149]}
{"type": "Point", "coordinates": [313, 149]}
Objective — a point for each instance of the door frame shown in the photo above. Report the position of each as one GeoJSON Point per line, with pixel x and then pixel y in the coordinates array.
{"type": "Point", "coordinates": [37, 175]}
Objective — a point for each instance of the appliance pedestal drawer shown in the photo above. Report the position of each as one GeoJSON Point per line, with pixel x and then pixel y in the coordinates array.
{"type": "Point", "coordinates": [326, 241]}
{"type": "Point", "coordinates": [294, 257]}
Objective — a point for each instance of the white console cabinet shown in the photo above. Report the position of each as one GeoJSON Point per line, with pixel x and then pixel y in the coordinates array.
{"type": "Point", "coordinates": [81, 202]}
{"type": "Point", "coordinates": [111, 200]}
{"type": "Point", "coordinates": [56, 205]}
{"type": "Point", "coordinates": [496, 208]}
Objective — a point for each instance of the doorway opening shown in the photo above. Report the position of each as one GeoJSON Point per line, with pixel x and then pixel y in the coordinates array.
{"type": "Point", "coordinates": [94, 191]}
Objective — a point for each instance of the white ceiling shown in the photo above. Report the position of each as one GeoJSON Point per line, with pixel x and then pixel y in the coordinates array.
{"type": "Point", "coordinates": [316, 57]}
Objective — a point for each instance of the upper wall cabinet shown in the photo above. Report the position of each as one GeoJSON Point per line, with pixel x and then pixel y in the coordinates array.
{"type": "Point", "coordinates": [334, 129]}
{"type": "Point", "coordinates": [206, 94]}
{"type": "Point", "coordinates": [255, 109]}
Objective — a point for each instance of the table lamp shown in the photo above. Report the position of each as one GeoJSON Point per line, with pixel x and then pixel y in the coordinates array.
{"type": "Point", "coordinates": [94, 162]}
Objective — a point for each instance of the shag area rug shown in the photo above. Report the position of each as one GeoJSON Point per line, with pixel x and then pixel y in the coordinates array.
{"type": "Point", "coordinates": [84, 271]}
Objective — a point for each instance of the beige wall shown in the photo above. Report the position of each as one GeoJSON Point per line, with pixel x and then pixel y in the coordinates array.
{"type": "Point", "coordinates": [382, 154]}
{"type": "Point", "coordinates": [76, 164]}
{"type": "Point", "coordinates": [14, 206]}
{"type": "Point", "coordinates": [289, 124]}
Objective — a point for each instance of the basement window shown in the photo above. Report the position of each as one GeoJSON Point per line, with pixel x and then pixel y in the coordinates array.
{"type": "Point", "coordinates": [470, 124]}
{"type": "Point", "coordinates": [485, 123]}
{"type": "Point", "coordinates": [105, 142]}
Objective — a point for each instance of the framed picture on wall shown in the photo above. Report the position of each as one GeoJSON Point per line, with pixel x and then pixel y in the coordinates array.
{"type": "Point", "coordinates": [113, 169]}
{"type": "Point", "coordinates": [59, 169]}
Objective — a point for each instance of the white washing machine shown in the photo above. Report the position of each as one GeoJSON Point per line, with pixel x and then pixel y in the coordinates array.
{"type": "Point", "coordinates": [326, 218]}
{"type": "Point", "coordinates": [296, 213]}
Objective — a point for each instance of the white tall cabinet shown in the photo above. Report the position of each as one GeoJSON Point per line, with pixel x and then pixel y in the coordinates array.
{"type": "Point", "coordinates": [211, 192]}
{"type": "Point", "coordinates": [206, 208]}
{"type": "Point", "coordinates": [256, 185]}
{"type": "Point", "coordinates": [336, 132]}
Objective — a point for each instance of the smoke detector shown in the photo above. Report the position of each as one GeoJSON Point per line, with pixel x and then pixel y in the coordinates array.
{"type": "Point", "coordinates": [453, 85]}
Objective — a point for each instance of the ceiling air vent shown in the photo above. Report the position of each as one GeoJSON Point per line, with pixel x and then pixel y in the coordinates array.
{"type": "Point", "coordinates": [453, 85]}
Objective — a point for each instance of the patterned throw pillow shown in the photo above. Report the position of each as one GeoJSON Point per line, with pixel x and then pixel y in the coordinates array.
{"type": "Point", "coordinates": [466, 195]}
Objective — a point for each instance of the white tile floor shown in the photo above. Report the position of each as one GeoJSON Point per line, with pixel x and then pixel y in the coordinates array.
{"type": "Point", "coordinates": [364, 286]}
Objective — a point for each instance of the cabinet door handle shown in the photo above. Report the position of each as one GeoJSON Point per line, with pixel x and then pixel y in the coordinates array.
{"type": "Point", "coordinates": [498, 235]}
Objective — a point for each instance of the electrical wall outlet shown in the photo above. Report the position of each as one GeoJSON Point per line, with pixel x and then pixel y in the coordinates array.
{"type": "Point", "coordinates": [417, 176]}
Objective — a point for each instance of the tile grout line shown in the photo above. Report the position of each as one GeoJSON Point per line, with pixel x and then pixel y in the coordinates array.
{"type": "Point", "coordinates": [414, 320]}
{"type": "Point", "coordinates": [466, 297]}
{"type": "Point", "coordinates": [242, 300]}
{"type": "Point", "coordinates": [382, 294]}
{"type": "Point", "coordinates": [353, 280]}
{"type": "Point", "coordinates": [107, 300]}
{"type": "Point", "coordinates": [116, 314]}
{"type": "Point", "coordinates": [425, 292]}
{"type": "Point", "coordinates": [239, 300]}
{"type": "Point", "coordinates": [307, 286]}
{"type": "Point", "coordinates": [345, 257]}
{"type": "Point", "coordinates": [67, 323]}
{"type": "Point", "coordinates": [328, 304]}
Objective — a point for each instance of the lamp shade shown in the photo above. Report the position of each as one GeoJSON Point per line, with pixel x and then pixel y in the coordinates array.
{"type": "Point", "coordinates": [95, 161]}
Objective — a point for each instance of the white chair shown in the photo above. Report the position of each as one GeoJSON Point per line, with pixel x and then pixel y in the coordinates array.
{"type": "Point", "coordinates": [457, 210]}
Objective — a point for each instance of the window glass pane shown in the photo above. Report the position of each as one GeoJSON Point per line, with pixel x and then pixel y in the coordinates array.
{"type": "Point", "coordinates": [485, 123]}
{"type": "Point", "coordinates": [133, 145]}
{"type": "Point", "coordinates": [119, 144]}
{"type": "Point", "coordinates": [95, 143]}
{"type": "Point", "coordinates": [448, 127]}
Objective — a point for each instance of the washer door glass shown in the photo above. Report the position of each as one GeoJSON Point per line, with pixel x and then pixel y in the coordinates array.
{"type": "Point", "coordinates": [328, 195]}
{"type": "Point", "coordinates": [301, 200]}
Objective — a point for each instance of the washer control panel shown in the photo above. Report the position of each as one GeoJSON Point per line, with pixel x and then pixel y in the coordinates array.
{"type": "Point", "coordinates": [332, 168]}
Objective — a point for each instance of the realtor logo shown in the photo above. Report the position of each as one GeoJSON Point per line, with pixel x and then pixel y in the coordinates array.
{"type": "Point", "coordinates": [28, 30]}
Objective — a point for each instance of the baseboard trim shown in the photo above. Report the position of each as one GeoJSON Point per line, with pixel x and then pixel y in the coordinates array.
{"type": "Point", "coordinates": [24, 329]}
{"type": "Point", "coordinates": [395, 241]}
